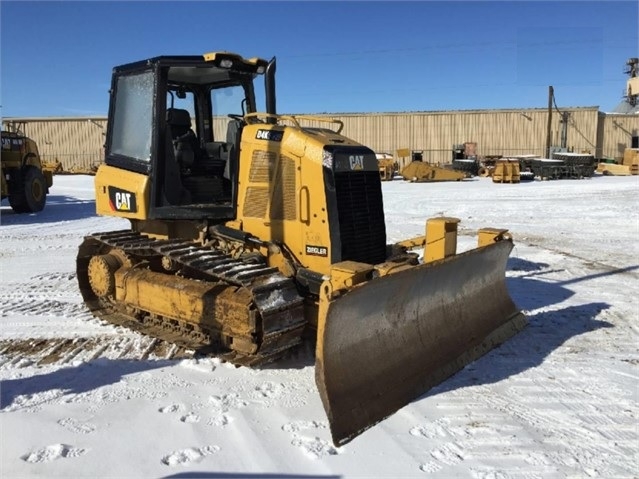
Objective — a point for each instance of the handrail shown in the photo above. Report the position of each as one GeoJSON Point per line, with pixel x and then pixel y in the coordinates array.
{"type": "Point", "coordinates": [294, 119]}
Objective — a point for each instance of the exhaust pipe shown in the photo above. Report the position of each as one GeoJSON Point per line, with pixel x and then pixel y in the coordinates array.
{"type": "Point", "coordinates": [269, 85]}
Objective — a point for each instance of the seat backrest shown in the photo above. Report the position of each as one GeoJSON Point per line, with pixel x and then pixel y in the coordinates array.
{"type": "Point", "coordinates": [233, 131]}
{"type": "Point", "coordinates": [179, 121]}
{"type": "Point", "coordinates": [185, 142]}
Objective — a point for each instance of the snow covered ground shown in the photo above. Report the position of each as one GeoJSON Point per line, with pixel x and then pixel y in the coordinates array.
{"type": "Point", "coordinates": [79, 398]}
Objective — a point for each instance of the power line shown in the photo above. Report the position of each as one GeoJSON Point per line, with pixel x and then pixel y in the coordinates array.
{"type": "Point", "coordinates": [460, 45]}
{"type": "Point", "coordinates": [566, 115]}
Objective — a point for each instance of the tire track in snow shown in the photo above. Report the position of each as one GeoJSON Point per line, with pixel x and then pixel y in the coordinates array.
{"type": "Point", "coordinates": [36, 305]}
{"type": "Point", "coordinates": [50, 294]}
{"type": "Point", "coordinates": [16, 353]}
{"type": "Point", "coordinates": [575, 447]}
{"type": "Point", "coordinates": [55, 294]}
{"type": "Point", "coordinates": [469, 434]}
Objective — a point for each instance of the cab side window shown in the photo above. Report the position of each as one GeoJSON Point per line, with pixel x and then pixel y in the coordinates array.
{"type": "Point", "coordinates": [133, 117]}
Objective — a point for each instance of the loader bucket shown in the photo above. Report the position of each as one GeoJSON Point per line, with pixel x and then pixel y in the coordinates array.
{"type": "Point", "coordinates": [385, 343]}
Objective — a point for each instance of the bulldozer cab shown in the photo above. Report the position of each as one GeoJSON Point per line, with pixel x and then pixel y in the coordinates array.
{"type": "Point", "coordinates": [178, 120]}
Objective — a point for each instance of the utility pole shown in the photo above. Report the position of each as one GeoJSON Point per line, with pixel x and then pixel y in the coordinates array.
{"type": "Point", "coordinates": [564, 129]}
{"type": "Point", "coordinates": [551, 94]}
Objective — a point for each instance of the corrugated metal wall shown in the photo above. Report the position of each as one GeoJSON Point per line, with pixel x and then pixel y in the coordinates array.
{"type": "Point", "coordinates": [616, 132]}
{"type": "Point", "coordinates": [496, 132]}
{"type": "Point", "coordinates": [77, 142]}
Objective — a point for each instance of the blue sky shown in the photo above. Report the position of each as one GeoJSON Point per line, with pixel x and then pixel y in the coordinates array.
{"type": "Point", "coordinates": [335, 57]}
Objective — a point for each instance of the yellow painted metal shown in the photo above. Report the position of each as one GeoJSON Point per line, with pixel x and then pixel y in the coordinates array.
{"type": "Point", "coordinates": [488, 236]}
{"type": "Point", "coordinates": [281, 202]}
{"type": "Point", "coordinates": [157, 293]}
{"type": "Point", "coordinates": [418, 171]}
{"type": "Point", "coordinates": [403, 152]}
{"type": "Point", "coordinates": [412, 243]}
{"type": "Point", "coordinates": [506, 171]}
{"type": "Point", "coordinates": [391, 267]}
{"type": "Point", "coordinates": [127, 181]}
{"type": "Point", "coordinates": [295, 119]}
{"type": "Point", "coordinates": [626, 166]}
{"type": "Point", "coordinates": [19, 158]}
{"type": "Point", "coordinates": [216, 305]}
{"type": "Point", "coordinates": [611, 169]}
{"type": "Point", "coordinates": [19, 150]}
{"type": "Point", "coordinates": [631, 156]}
{"type": "Point", "coordinates": [254, 61]}
{"type": "Point", "coordinates": [346, 274]}
{"type": "Point", "coordinates": [277, 259]}
{"type": "Point", "coordinates": [441, 238]}
{"type": "Point", "coordinates": [387, 168]}
{"type": "Point", "coordinates": [101, 273]}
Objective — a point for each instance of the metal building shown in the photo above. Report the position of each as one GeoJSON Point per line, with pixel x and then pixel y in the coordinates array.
{"type": "Point", "coordinates": [77, 143]}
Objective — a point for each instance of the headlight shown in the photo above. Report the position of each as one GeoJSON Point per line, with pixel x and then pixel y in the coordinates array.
{"type": "Point", "coordinates": [327, 159]}
{"type": "Point", "coordinates": [226, 63]}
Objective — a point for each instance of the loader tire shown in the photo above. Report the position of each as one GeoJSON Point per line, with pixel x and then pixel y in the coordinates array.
{"type": "Point", "coordinates": [32, 195]}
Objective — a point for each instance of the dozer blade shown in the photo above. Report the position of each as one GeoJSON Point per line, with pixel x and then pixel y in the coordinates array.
{"type": "Point", "coordinates": [385, 343]}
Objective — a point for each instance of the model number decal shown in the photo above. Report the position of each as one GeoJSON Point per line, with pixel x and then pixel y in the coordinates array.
{"type": "Point", "coordinates": [270, 135]}
{"type": "Point", "coordinates": [122, 200]}
{"type": "Point", "coordinates": [316, 250]}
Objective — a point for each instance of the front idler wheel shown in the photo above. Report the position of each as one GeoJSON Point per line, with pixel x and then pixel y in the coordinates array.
{"type": "Point", "coordinates": [101, 272]}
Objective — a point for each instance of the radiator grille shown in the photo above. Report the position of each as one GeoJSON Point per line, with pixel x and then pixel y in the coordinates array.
{"type": "Point", "coordinates": [283, 195]}
{"type": "Point", "coordinates": [276, 185]}
{"type": "Point", "coordinates": [361, 216]}
{"type": "Point", "coordinates": [262, 164]}
{"type": "Point", "coordinates": [256, 201]}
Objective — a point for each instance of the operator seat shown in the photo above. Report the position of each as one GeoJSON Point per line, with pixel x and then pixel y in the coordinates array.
{"type": "Point", "coordinates": [185, 143]}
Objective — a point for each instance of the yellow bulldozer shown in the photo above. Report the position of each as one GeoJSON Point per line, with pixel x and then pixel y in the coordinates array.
{"type": "Point", "coordinates": [420, 171]}
{"type": "Point", "coordinates": [251, 232]}
{"type": "Point", "coordinates": [24, 180]}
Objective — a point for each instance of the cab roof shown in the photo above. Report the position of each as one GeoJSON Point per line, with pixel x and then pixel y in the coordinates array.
{"type": "Point", "coordinates": [222, 60]}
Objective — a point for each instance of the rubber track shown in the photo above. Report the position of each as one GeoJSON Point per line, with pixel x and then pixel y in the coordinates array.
{"type": "Point", "coordinates": [275, 296]}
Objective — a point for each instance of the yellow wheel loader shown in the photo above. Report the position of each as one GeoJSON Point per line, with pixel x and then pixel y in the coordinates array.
{"type": "Point", "coordinates": [24, 181]}
{"type": "Point", "coordinates": [251, 232]}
